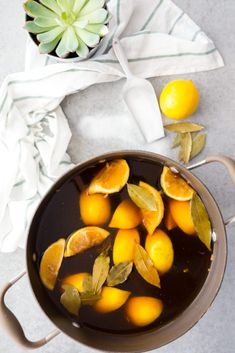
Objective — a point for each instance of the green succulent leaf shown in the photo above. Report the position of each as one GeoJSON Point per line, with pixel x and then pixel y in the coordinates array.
{"type": "Point", "coordinates": [46, 48]}
{"type": "Point", "coordinates": [68, 43]}
{"type": "Point", "coordinates": [46, 21]}
{"type": "Point", "coordinates": [31, 27]}
{"type": "Point", "coordinates": [81, 23]}
{"type": "Point", "coordinates": [66, 5]}
{"type": "Point", "coordinates": [82, 49]}
{"type": "Point", "coordinates": [91, 6]}
{"type": "Point", "coordinates": [34, 9]}
{"type": "Point", "coordinates": [50, 35]}
{"type": "Point", "coordinates": [78, 5]}
{"type": "Point", "coordinates": [52, 5]}
{"type": "Point", "coordinates": [98, 16]}
{"type": "Point", "coordinates": [90, 39]}
{"type": "Point", "coordinates": [99, 29]}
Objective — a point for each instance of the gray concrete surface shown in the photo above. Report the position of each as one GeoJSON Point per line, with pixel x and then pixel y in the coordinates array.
{"type": "Point", "coordinates": [215, 331]}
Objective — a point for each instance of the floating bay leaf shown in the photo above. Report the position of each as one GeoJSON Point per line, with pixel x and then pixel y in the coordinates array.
{"type": "Point", "coordinates": [70, 299]}
{"type": "Point", "coordinates": [201, 221]}
{"type": "Point", "coordinates": [185, 147]}
{"type": "Point", "coordinates": [100, 272]}
{"type": "Point", "coordinates": [177, 140]}
{"type": "Point", "coordinates": [184, 127]}
{"type": "Point", "coordinates": [119, 273]}
{"type": "Point", "coordinates": [89, 298]}
{"type": "Point", "coordinates": [198, 144]}
{"type": "Point", "coordinates": [87, 284]}
{"type": "Point", "coordinates": [141, 197]}
{"type": "Point", "coordinates": [145, 266]}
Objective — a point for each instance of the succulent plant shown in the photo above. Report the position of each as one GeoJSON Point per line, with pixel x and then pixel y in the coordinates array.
{"type": "Point", "coordinates": [68, 26]}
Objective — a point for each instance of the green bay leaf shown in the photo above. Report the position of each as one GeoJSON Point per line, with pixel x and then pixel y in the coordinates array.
{"type": "Point", "coordinates": [198, 144]}
{"type": "Point", "coordinates": [201, 221]}
{"type": "Point", "coordinates": [145, 267]}
{"type": "Point", "coordinates": [141, 197]}
{"type": "Point", "coordinates": [185, 147]}
{"type": "Point", "coordinates": [176, 140]}
{"type": "Point", "coordinates": [89, 298]}
{"type": "Point", "coordinates": [70, 299]}
{"type": "Point", "coordinates": [100, 272]}
{"type": "Point", "coordinates": [184, 127]}
{"type": "Point", "coordinates": [119, 273]}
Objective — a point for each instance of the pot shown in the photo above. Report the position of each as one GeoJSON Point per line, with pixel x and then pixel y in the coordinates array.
{"type": "Point", "coordinates": [146, 340]}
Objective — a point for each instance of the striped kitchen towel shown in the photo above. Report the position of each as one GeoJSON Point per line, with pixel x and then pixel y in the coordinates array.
{"type": "Point", "coordinates": [158, 38]}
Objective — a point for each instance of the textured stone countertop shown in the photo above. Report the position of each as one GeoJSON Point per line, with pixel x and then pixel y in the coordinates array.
{"type": "Point", "coordinates": [215, 331]}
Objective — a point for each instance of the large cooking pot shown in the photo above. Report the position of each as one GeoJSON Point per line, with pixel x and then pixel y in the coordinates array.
{"type": "Point", "coordinates": [146, 340]}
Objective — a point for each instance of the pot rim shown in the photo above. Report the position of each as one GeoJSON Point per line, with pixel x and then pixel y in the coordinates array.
{"type": "Point", "coordinates": [155, 338]}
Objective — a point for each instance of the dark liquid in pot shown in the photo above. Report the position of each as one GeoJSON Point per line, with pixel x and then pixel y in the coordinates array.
{"type": "Point", "coordinates": [178, 287]}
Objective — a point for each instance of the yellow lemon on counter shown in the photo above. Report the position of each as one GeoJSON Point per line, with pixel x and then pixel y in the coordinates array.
{"type": "Point", "coordinates": [179, 99]}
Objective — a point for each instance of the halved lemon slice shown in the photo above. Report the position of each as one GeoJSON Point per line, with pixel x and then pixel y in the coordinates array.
{"type": "Point", "coordinates": [175, 186]}
{"type": "Point", "coordinates": [83, 239]}
{"type": "Point", "coordinates": [152, 219]}
{"type": "Point", "coordinates": [112, 178]}
{"type": "Point", "coordinates": [51, 262]}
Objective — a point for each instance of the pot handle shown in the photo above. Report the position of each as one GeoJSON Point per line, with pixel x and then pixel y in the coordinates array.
{"type": "Point", "coordinates": [229, 163]}
{"type": "Point", "coordinates": [12, 326]}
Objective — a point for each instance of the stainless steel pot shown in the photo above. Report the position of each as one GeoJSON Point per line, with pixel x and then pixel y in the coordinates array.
{"type": "Point", "coordinates": [130, 342]}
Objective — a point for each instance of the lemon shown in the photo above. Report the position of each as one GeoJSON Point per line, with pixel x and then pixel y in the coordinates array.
{"type": "Point", "coordinates": [179, 99]}
{"type": "Point", "coordinates": [111, 178]}
{"type": "Point", "coordinates": [111, 299]}
{"type": "Point", "coordinates": [174, 186]}
{"type": "Point", "coordinates": [95, 209]}
{"type": "Point", "coordinates": [160, 249]}
{"type": "Point", "coordinates": [181, 212]}
{"type": "Point", "coordinates": [142, 311]}
{"type": "Point", "coordinates": [76, 280]}
{"type": "Point", "coordinates": [51, 262]}
{"type": "Point", "coordinates": [124, 245]}
{"type": "Point", "coordinates": [126, 216]}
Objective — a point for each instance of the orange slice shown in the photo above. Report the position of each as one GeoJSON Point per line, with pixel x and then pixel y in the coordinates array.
{"type": "Point", "coordinates": [142, 311]}
{"type": "Point", "coordinates": [83, 239]}
{"type": "Point", "coordinates": [51, 262]}
{"type": "Point", "coordinates": [95, 209]}
{"type": "Point", "coordinates": [124, 245]}
{"type": "Point", "coordinates": [126, 216]}
{"type": "Point", "coordinates": [175, 186]}
{"type": "Point", "coordinates": [112, 178]}
{"type": "Point", "coordinates": [111, 299]}
{"type": "Point", "coordinates": [152, 219]}
{"type": "Point", "coordinates": [181, 212]}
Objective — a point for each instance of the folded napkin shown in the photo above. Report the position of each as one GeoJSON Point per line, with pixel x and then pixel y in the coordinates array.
{"type": "Point", "coordinates": [158, 38]}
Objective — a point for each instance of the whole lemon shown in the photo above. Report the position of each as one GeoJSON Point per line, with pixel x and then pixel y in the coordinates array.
{"type": "Point", "coordinates": [179, 99]}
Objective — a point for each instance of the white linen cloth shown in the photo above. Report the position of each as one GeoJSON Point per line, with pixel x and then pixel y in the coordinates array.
{"type": "Point", "coordinates": [158, 38]}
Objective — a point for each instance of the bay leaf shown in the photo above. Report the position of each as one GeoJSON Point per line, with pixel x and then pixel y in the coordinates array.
{"type": "Point", "coordinates": [89, 298]}
{"type": "Point", "coordinates": [100, 272]}
{"type": "Point", "coordinates": [201, 221]}
{"type": "Point", "coordinates": [145, 267]}
{"type": "Point", "coordinates": [141, 197]}
{"type": "Point", "coordinates": [87, 284]}
{"type": "Point", "coordinates": [70, 299]}
{"type": "Point", "coordinates": [185, 147]}
{"type": "Point", "coordinates": [184, 127]}
{"type": "Point", "coordinates": [177, 140]}
{"type": "Point", "coordinates": [198, 144]}
{"type": "Point", "coordinates": [119, 273]}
